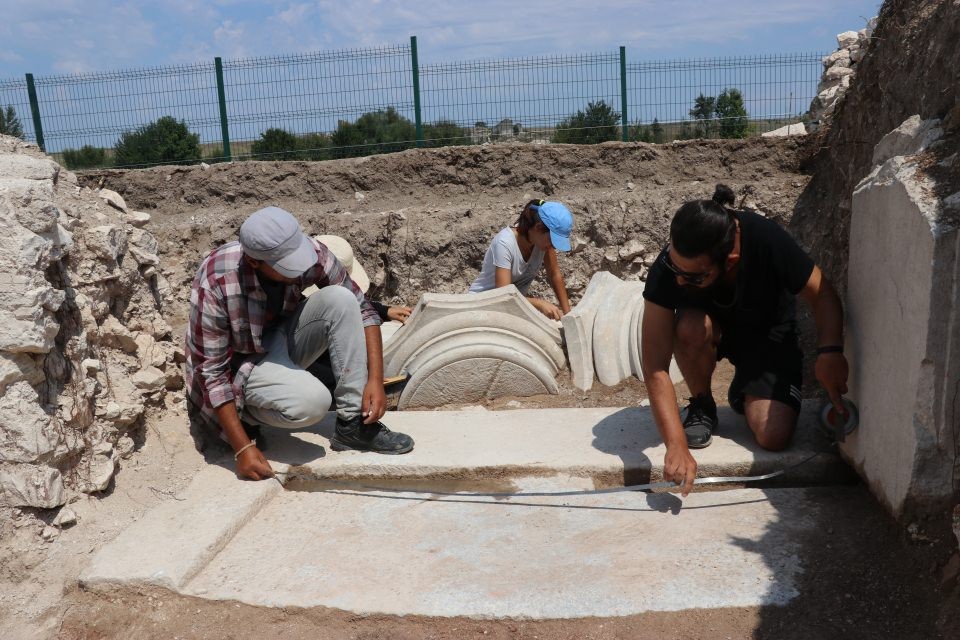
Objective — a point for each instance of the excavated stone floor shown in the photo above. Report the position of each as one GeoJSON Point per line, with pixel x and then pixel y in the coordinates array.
{"type": "Point", "coordinates": [328, 539]}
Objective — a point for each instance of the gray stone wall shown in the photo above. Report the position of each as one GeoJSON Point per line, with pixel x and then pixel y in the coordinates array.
{"type": "Point", "coordinates": [84, 349]}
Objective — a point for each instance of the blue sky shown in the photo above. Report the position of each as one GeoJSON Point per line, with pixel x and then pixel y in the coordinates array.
{"type": "Point", "coordinates": [71, 36]}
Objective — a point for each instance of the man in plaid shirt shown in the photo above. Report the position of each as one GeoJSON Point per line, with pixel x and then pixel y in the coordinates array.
{"type": "Point", "coordinates": [253, 340]}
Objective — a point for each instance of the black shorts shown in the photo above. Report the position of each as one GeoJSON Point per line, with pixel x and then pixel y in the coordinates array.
{"type": "Point", "coordinates": [765, 368]}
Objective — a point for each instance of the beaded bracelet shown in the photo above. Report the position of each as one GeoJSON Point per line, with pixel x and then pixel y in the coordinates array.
{"type": "Point", "coordinates": [242, 449]}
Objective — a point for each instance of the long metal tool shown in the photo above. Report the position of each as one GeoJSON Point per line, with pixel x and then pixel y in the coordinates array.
{"type": "Point", "coordinates": [348, 485]}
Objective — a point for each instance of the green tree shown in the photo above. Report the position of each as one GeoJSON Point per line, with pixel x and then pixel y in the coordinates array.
{"type": "Point", "coordinates": [444, 133]}
{"type": "Point", "coordinates": [163, 141]}
{"type": "Point", "coordinates": [314, 146]}
{"type": "Point", "coordinates": [598, 123]}
{"type": "Point", "coordinates": [275, 144]}
{"type": "Point", "coordinates": [732, 121]}
{"type": "Point", "coordinates": [379, 131]}
{"type": "Point", "coordinates": [85, 157]}
{"type": "Point", "coordinates": [656, 130]}
{"type": "Point", "coordinates": [640, 133]}
{"type": "Point", "coordinates": [10, 123]}
{"type": "Point", "coordinates": [702, 113]}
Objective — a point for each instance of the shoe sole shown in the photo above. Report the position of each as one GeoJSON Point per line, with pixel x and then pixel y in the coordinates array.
{"type": "Point", "coordinates": [339, 446]}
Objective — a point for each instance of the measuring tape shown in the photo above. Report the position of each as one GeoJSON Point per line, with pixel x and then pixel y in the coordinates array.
{"type": "Point", "coordinates": [829, 427]}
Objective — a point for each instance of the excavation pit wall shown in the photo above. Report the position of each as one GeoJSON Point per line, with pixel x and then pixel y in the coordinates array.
{"type": "Point", "coordinates": [421, 220]}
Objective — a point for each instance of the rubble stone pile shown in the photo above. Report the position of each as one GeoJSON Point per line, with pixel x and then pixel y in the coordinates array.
{"type": "Point", "coordinates": [838, 71]}
{"type": "Point", "coordinates": [84, 348]}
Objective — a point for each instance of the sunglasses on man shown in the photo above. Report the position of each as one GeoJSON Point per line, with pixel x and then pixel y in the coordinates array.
{"type": "Point", "coordinates": [690, 277]}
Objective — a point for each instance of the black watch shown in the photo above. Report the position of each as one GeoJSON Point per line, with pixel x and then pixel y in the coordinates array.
{"type": "Point", "coordinates": [832, 348]}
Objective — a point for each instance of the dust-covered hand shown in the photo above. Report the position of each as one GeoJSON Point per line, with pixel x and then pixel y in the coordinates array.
{"type": "Point", "coordinates": [374, 402]}
{"type": "Point", "coordinates": [252, 465]}
{"type": "Point", "coordinates": [831, 371]}
{"type": "Point", "coordinates": [680, 467]}
{"type": "Point", "coordinates": [400, 314]}
{"type": "Point", "coordinates": [548, 309]}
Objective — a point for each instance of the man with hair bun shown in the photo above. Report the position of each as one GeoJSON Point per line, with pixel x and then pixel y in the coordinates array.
{"type": "Point", "coordinates": [725, 287]}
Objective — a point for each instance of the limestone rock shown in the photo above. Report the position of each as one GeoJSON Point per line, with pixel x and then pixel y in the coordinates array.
{"type": "Point", "coordinates": [125, 447]}
{"type": "Point", "coordinates": [631, 249]}
{"type": "Point", "coordinates": [797, 129]}
{"type": "Point", "coordinates": [913, 136]}
{"type": "Point", "coordinates": [24, 167]}
{"type": "Point", "coordinates": [837, 73]}
{"type": "Point", "coordinates": [65, 517]}
{"type": "Point", "coordinates": [28, 432]}
{"type": "Point", "coordinates": [137, 219]}
{"type": "Point", "coordinates": [26, 322]}
{"type": "Point", "coordinates": [149, 379]}
{"type": "Point", "coordinates": [30, 485]}
{"type": "Point", "coordinates": [847, 38]}
{"type": "Point", "coordinates": [106, 241]}
{"type": "Point", "coordinates": [113, 198]}
{"type": "Point", "coordinates": [840, 58]}
{"type": "Point", "coordinates": [15, 367]}
{"type": "Point", "coordinates": [90, 366]}
{"type": "Point", "coordinates": [114, 334]}
{"type": "Point", "coordinates": [96, 470]}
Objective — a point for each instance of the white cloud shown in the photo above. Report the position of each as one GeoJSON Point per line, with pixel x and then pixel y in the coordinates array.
{"type": "Point", "coordinates": [109, 34]}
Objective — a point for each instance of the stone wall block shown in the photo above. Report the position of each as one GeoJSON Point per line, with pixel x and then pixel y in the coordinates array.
{"type": "Point", "coordinates": [28, 433]}
{"type": "Point", "coordinates": [904, 277]}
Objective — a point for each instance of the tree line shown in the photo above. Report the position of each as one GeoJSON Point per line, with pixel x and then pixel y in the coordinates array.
{"type": "Point", "coordinates": [169, 141]}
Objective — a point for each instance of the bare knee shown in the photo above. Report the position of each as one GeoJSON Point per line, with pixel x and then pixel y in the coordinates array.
{"type": "Point", "coordinates": [772, 423]}
{"type": "Point", "coordinates": [694, 330]}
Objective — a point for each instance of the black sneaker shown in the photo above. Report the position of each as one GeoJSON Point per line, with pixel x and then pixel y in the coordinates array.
{"type": "Point", "coordinates": [353, 435]}
{"type": "Point", "coordinates": [700, 421]}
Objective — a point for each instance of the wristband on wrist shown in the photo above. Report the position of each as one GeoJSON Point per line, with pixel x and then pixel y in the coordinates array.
{"type": "Point", "coordinates": [831, 348]}
{"type": "Point", "coordinates": [242, 449]}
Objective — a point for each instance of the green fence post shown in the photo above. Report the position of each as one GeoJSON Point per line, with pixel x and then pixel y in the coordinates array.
{"type": "Point", "coordinates": [624, 132]}
{"type": "Point", "coordinates": [222, 96]}
{"type": "Point", "coordinates": [35, 111]}
{"type": "Point", "coordinates": [416, 90]}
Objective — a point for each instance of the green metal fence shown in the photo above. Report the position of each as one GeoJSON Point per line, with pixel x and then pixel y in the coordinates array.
{"type": "Point", "coordinates": [355, 102]}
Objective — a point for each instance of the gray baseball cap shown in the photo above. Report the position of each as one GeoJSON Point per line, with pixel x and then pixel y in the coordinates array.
{"type": "Point", "coordinates": [274, 236]}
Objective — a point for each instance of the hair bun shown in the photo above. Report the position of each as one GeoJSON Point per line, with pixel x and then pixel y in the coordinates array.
{"type": "Point", "coordinates": [724, 196]}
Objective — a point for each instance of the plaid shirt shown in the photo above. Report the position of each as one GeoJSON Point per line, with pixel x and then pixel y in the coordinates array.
{"type": "Point", "coordinates": [227, 318]}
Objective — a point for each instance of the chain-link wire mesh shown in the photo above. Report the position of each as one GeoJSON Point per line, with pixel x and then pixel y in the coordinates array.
{"type": "Point", "coordinates": [334, 104]}
{"type": "Point", "coordinates": [523, 99]}
{"type": "Point", "coordinates": [14, 99]}
{"type": "Point", "coordinates": [309, 94]}
{"type": "Point", "coordinates": [775, 90]}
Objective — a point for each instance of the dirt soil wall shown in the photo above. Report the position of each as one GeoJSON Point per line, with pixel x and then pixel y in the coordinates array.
{"type": "Point", "coordinates": [421, 220]}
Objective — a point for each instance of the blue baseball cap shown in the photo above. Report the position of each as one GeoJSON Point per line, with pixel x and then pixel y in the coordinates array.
{"type": "Point", "coordinates": [558, 219]}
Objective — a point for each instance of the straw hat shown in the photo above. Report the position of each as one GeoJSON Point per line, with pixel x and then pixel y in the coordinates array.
{"type": "Point", "coordinates": [344, 253]}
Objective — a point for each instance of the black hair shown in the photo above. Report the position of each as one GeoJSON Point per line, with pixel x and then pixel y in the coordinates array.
{"type": "Point", "coordinates": [529, 217]}
{"type": "Point", "coordinates": [703, 227]}
{"type": "Point", "coordinates": [724, 196]}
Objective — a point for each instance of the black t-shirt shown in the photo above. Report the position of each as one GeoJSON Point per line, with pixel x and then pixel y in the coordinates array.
{"type": "Point", "coordinates": [275, 293]}
{"type": "Point", "coordinates": [773, 269]}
